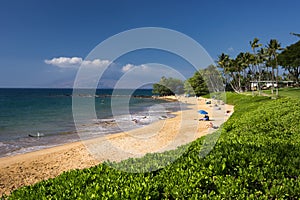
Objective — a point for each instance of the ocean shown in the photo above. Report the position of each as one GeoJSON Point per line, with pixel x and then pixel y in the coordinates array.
{"type": "Point", "coordinates": [48, 112]}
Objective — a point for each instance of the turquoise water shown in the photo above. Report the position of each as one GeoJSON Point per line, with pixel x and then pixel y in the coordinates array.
{"type": "Point", "coordinates": [25, 112]}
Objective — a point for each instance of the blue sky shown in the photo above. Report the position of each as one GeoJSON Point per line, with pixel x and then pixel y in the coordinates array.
{"type": "Point", "coordinates": [33, 31]}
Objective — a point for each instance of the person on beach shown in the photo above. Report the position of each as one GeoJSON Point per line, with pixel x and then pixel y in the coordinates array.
{"type": "Point", "coordinates": [211, 125]}
{"type": "Point", "coordinates": [205, 118]}
{"type": "Point", "coordinates": [228, 112]}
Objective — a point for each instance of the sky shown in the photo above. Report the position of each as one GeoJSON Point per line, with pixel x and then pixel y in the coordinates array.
{"type": "Point", "coordinates": [44, 42]}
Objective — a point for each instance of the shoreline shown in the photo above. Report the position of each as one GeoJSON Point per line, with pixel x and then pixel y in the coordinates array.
{"type": "Point", "coordinates": [69, 136]}
{"type": "Point", "coordinates": [159, 136]}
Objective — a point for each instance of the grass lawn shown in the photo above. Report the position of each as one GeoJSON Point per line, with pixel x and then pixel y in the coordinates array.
{"type": "Point", "coordinates": [283, 92]}
{"type": "Point", "coordinates": [286, 92]}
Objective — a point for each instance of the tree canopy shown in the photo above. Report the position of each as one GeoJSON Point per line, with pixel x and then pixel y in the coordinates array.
{"type": "Point", "coordinates": [254, 67]}
{"type": "Point", "coordinates": [198, 84]}
{"type": "Point", "coordinates": [168, 86]}
{"type": "Point", "coordinates": [247, 71]}
{"type": "Point", "coordinates": [289, 59]}
{"type": "Point", "coordinates": [213, 78]}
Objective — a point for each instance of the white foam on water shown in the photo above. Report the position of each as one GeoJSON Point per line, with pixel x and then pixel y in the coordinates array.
{"type": "Point", "coordinates": [2, 144]}
{"type": "Point", "coordinates": [90, 129]}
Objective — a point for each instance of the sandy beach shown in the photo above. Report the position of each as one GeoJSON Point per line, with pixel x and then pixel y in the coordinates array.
{"type": "Point", "coordinates": [166, 134]}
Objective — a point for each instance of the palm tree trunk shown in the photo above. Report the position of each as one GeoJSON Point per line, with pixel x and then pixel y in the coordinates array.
{"type": "Point", "coordinates": [272, 80]}
{"type": "Point", "coordinates": [259, 79]}
{"type": "Point", "coordinates": [268, 77]}
{"type": "Point", "coordinates": [234, 88]}
{"type": "Point", "coordinates": [245, 77]}
{"type": "Point", "coordinates": [253, 77]}
{"type": "Point", "coordinates": [240, 88]}
{"type": "Point", "coordinates": [276, 78]}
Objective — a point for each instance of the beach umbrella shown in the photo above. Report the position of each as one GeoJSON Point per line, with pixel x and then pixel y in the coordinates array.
{"type": "Point", "coordinates": [202, 112]}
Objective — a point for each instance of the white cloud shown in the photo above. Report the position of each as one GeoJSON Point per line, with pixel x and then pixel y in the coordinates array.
{"type": "Point", "coordinates": [65, 62]}
{"type": "Point", "coordinates": [95, 63]}
{"type": "Point", "coordinates": [75, 62]}
{"type": "Point", "coordinates": [127, 67]}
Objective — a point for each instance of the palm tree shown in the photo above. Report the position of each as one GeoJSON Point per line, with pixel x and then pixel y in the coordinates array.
{"type": "Point", "coordinates": [238, 65]}
{"type": "Point", "coordinates": [243, 61]}
{"type": "Point", "coordinates": [248, 58]}
{"type": "Point", "coordinates": [256, 68]}
{"type": "Point", "coordinates": [223, 62]}
{"type": "Point", "coordinates": [234, 70]}
{"type": "Point", "coordinates": [230, 71]}
{"type": "Point", "coordinates": [262, 57]}
{"type": "Point", "coordinates": [273, 48]}
{"type": "Point", "coordinates": [295, 34]}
